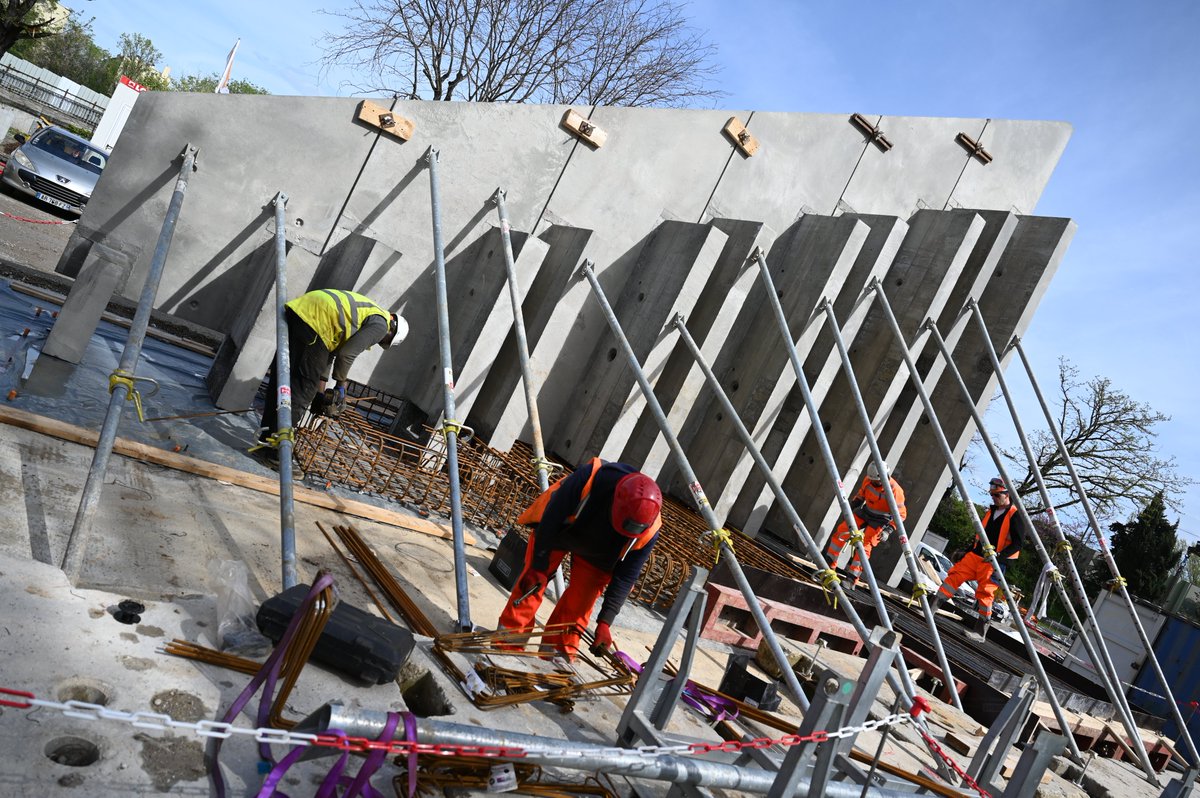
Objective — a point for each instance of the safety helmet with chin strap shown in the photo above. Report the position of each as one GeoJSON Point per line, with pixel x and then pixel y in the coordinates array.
{"type": "Point", "coordinates": [637, 501]}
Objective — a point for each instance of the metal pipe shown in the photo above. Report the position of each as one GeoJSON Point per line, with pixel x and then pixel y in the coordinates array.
{"type": "Point", "coordinates": [1108, 558]}
{"type": "Point", "coordinates": [450, 424]}
{"type": "Point", "coordinates": [760, 618]}
{"type": "Point", "coordinates": [283, 399]}
{"type": "Point", "coordinates": [1096, 649]}
{"type": "Point", "coordinates": [527, 379]}
{"type": "Point", "coordinates": [122, 379]}
{"type": "Point", "coordinates": [551, 752]}
{"type": "Point", "coordinates": [897, 517]}
{"type": "Point", "coordinates": [980, 532]}
{"type": "Point", "coordinates": [818, 430]}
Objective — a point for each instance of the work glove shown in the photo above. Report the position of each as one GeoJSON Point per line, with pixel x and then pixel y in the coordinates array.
{"type": "Point", "coordinates": [335, 402]}
{"type": "Point", "coordinates": [531, 582]}
{"type": "Point", "coordinates": [604, 641]}
{"type": "Point", "coordinates": [886, 532]}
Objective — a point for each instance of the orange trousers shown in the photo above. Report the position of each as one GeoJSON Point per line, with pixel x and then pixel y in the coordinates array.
{"type": "Point", "coordinates": [574, 606]}
{"type": "Point", "coordinates": [972, 566]}
{"type": "Point", "coordinates": [833, 549]}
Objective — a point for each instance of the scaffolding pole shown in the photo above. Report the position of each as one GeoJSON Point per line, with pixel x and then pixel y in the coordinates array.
{"type": "Point", "coordinates": [283, 373]}
{"type": "Point", "coordinates": [1096, 649]}
{"type": "Point", "coordinates": [828, 575]}
{"type": "Point", "coordinates": [121, 383]}
{"type": "Point", "coordinates": [1108, 558]}
{"type": "Point", "coordinates": [980, 532]}
{"type": "Point", "coordinates": [527, 381]}
{"type": "Point", "coordinates": [897, 517]}
{"type": "Point", "coordinates": [450, 425]}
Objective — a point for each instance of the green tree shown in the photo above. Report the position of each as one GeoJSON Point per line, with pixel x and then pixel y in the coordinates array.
{"type": "Point", "coordinates": [1146, 551]}
{"type": "Point", "coordinates": [207, 84]}
{"type": "Point", "coordinates": [73, 54]}
{"type": "Point", "coordinates": [136, 60]}
{"type": "Point", "coordinates": [29, 19]}
{"type": "Point", "coordinates": [952, 520]}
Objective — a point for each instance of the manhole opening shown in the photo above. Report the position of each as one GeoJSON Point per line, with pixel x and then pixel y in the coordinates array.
{"type": "Point", "coordinates": [87, 691]}
{"type": "Point", "coordinates": [425, 697]}
{"type": "Point", "coordinates": [73, 752]}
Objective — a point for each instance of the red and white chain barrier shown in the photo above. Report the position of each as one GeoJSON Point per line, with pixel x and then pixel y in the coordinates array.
{"type": "Point", "coordinates": [37, 221]}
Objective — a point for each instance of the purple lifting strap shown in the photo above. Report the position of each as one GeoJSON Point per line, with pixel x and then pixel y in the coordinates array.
{"type": "Point", "coordinates": [714, 707]}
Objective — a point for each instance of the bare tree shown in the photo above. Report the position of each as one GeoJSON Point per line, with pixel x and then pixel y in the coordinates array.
{"type": "Point", "coordinates": [1111, 439]}
{"type": "Point", "coordinates": [609, 52]}
{"type": "Point", "coordinates": [29, 19]}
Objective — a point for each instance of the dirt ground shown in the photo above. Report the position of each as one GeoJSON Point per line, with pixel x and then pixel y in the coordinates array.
{"type": "Point", "coordinates": [36, 243]}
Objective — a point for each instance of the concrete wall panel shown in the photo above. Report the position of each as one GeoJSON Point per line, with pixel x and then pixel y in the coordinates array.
{"type": "Point", "coordinates": [1019, 168]}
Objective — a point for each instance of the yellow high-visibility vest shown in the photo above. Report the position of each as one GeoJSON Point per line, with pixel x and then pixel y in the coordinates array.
{"type": "Point", "coordinates": [334, 314]}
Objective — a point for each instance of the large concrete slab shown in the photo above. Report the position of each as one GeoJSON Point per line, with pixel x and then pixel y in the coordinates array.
{"type": "Point", "coordinates": [898, 429]}
{"type": "Point", "coordinates": [103, 270]}
{"type": "Point", "coordinates": [919, 282]}
{"type": "Point", "coordinates": [1014, 291]}
{"type": "Point", "coordinates": [671, 271]}
{"type": "Point", "coordinates": [808, 262]}
{"type": "Point", "coordinates": [919, 172]}
{"type": "Point", "coordinates": [682, 382]}
{"type": "Point", "coordinates": [821, 363]}
{"type": "Point", "coordinates": [1023, 157]}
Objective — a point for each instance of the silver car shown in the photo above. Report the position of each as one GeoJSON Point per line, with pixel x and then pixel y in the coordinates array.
{"type": "Point", "coordinates": [56, 167]}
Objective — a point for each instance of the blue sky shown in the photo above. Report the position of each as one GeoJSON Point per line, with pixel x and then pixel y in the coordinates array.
{"type": "Point", "coordinates": [1124, 302]}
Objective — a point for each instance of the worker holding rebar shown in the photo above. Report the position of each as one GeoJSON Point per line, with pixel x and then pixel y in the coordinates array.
{"type": "Point", "coordinates": [326, 326]}
{"type": "Point", "coordinates": [872, 515]}
{"type": "Point", "coordinates": [607, 517]}
{"type": "Point", "coordinates": [1003, 524]}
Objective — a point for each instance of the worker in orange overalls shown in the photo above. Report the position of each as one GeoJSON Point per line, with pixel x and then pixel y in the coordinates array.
{"type": "Point", "coordinates": [607, 517]}
{"type": "Point", "coordinates": [1002, 523]}
{"type": "Point", "coordinates": [872, 515]}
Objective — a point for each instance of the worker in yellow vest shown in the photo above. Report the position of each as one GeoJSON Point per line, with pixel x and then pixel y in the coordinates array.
{"type": "Point", "coordinates": [324, 326]}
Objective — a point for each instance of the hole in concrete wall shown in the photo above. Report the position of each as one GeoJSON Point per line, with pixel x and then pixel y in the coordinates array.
{"type": "Point", "coordinates": [720, 416]}
{"type": "Point", "coordinates": [899, 282]}
{"type": "Point", "coordinates": [425, 697]}
{"type": "Point", "coordinates": [89, 691]}
{"type": "Point", "coordinates": [612, 355]}
{"type": "Point", "coordinates": [193, 304]}
{"type": "Point", "coordinates": [641, 297]}
{"type": "Point", "coordinates": [471, 292]}
{"type": "Point", "coordinates": [828, 426]}
{"type": "Point", "coordinates": [568, 443]}
{"type": "Point", "coordinates": [73, 752]}
{"type": "Point", "coordinates": [299, 222]}
{"type": "Point", "coordinates": [733, 386]}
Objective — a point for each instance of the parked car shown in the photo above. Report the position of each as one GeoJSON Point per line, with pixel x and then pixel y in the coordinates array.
{"type": "Point", "coordinates": [56, 167]}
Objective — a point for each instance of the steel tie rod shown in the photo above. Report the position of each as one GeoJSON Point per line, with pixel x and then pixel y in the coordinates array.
{"type": "Point", "coordinates": [1085, 501]}
{"type": "Point", "coordinates": [1096, 649]}
{"type": "Point", "coordinates": [450, 425]}
{"type": "Point", "coordinates": [75, 552]}
{"type": "Point", "coordinates": [901, 531]}
{"type": "Point", "coordinates": [527, 379]}
{"type": "Point", "coordinates": [980, 532]}
{"type": "Point", "coordinates": [818, 430]}
{"type": "Point", "coordinates": [283, 399]}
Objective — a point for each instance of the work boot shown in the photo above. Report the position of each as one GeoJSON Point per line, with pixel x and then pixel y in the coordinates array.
{"type": "Point", "coordinates": [981, 626]}
{"type": "Point", "coordinates": [935, 602]}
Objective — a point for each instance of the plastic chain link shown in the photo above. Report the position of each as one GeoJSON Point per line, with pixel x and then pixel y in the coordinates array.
{"type": "Point", "coordinates": [205, 728]}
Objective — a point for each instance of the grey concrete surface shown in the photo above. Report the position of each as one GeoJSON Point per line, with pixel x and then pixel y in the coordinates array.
{"type": "Point", "coordinates": [103, 269]}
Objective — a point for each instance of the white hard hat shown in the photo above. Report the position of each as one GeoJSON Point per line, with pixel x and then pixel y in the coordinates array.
{"type": "Point", "coordinates": [873, 472]}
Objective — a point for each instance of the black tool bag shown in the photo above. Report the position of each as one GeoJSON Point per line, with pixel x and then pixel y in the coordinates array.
{"type": "Point", "coordinates": [509, 559]}
{"type": "Point", "coordinates": [354, 643]}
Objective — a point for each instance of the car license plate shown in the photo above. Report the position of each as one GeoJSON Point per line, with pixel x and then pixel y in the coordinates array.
{"type": "Point", "coordinates": [55, 202]}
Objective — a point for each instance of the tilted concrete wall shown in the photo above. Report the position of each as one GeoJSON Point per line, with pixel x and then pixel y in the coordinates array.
{"type": "Point", "coordinates": [668, 210]}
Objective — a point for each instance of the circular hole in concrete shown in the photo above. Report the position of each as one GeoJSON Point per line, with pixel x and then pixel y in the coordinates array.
{"type": "Point", "coordinates": [74, 752]}
{"type": "Point", "coordinates": [179, 705]}
{"type": "Point", "coordinates": [299, 222]}
{"type": "Point", "coordinates": [720, 416]}
{"type": "Point", "coordinates": [612, 355]}
{"type": "Point", "coordinates": [88, 691]}
{"type": "Point", "coordinates": [425, 697]}
{"type": "Point", "coordinates": [641, 297]}
{"type": "Point", "coordinates": [733, 386]}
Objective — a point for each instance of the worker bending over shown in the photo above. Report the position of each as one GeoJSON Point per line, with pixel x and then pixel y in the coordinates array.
{"type": "Point", "coordinates": [1003, 524]}
{"type": "Point", "coordinates": [324, 326]}
{"type": "Point", "coordinates": [606, 516]}
{"type": "Point", "coordinates": [872, 515]}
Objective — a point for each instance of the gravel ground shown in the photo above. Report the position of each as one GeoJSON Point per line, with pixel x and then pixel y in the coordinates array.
{"type": "Point", "coordinates": [31, 243]}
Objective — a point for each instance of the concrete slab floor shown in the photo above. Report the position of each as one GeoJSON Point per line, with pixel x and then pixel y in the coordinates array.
{"type": "Point", "coordinates": [154, 535]}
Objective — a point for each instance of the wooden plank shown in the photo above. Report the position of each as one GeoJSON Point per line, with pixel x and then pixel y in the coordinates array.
{"type": "Point", "coordinates": [583, 129]}
{"type": "Point", "coordinates": [959, 743]}
{"type": "Point", "coordinates": [740, 137]}
{"type": "Point", "coordinates": [382, 119]}
{"type": "Point", "coordinates": [140, 451]}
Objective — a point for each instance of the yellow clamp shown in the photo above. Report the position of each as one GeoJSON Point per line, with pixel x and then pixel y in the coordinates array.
{"type": "Point", "coordinates": [119, 377]}
{"type": "Point", "coordinates": [988, 551]}
{"type": "Point", "coordinates": [450, 426]}
{"type": "Point", "coordinates": [1118, 582]}
{"type": "Point", "coordinates": [718, 537]}
{"type": "Point", "coordinates": [918, 591]}
{"type": "Point", "coordinates": [1056, 574]}
{"type": "Point", "coordinates": [829, 578]}
{"type": "Point", "coordinates": [1063, 547]}
{"type": "Point", "coordinates": [273, 441]}
{"type": "Point", "coordinates": [856, 536]}
{"type": "Point", "coordinates": [539, 463]}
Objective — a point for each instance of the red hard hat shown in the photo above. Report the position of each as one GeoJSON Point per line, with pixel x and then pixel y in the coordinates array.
{"type": "Point", "coordinates": [636, 504]}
